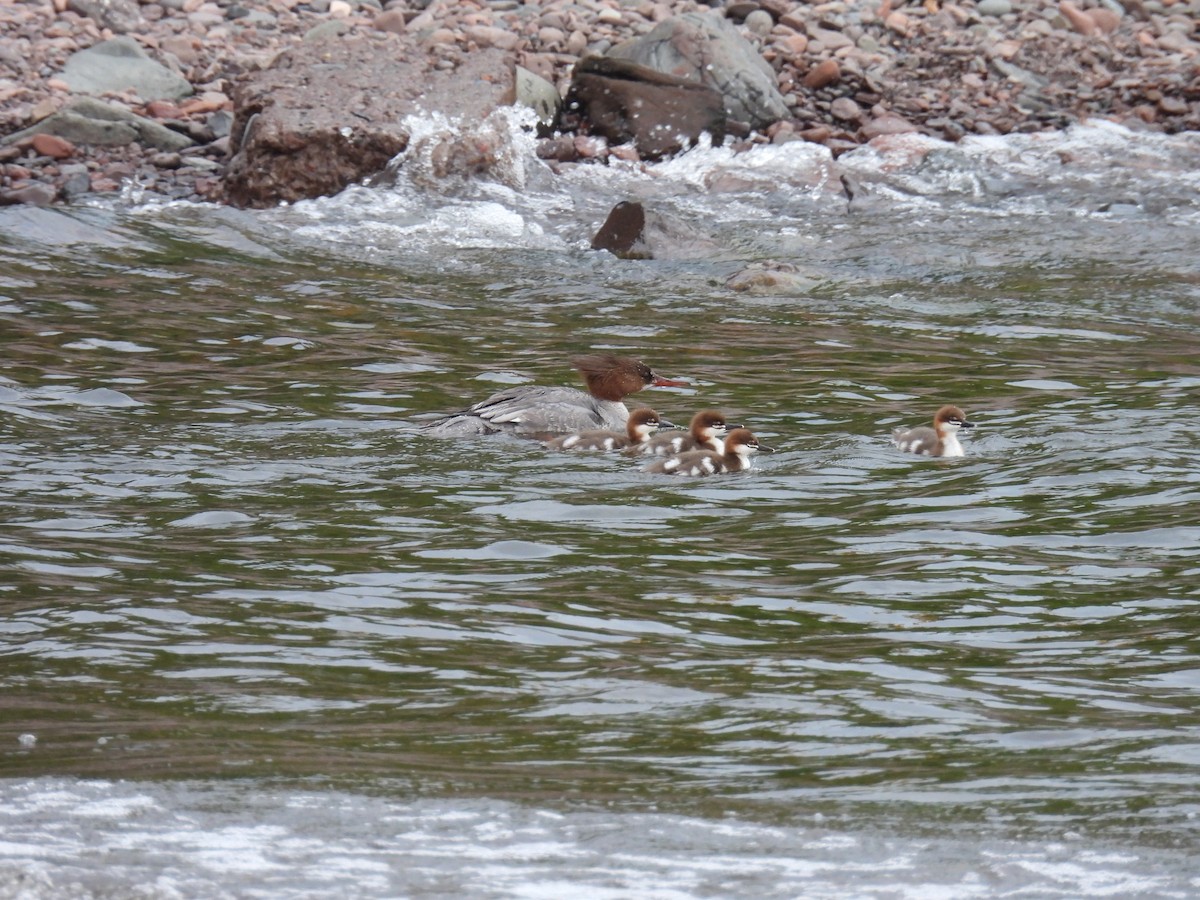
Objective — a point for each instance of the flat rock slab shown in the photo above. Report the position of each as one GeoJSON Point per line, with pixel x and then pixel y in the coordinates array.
{"type": "Point", "coordinates": [330, 113]}
{"type": "Point", "coordinates": [91, 121]}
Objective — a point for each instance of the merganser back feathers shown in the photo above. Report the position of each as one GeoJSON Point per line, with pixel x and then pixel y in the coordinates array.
{"type": "Point", "coordinates": [535, 411]}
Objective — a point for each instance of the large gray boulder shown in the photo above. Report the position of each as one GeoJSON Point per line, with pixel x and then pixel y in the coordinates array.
{"type": "Point", "coordinates": [331, 113]}
{"type": "Point", "coordinates": [709, 50]}
{"type": "Point", "coordinates": [121, 65]}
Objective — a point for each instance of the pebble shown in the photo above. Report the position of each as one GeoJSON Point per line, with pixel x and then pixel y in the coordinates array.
{"type": "Point", "coordinates": [994, 7]}
{"type": "Point", "coordinates": [1079, 20]}
{"type": "Point", "coordinates": [846, 109]}
{"type": "Point", "coordinates": [887, 124]}
{"type": "Point", "coordinates": [760, 22]}
{"type": "Point", "coordinates": [824, 73]}
{"type": "Point", "coordinates": [53, 146]}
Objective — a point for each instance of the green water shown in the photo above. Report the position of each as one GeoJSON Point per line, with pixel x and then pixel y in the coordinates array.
{"type": "Point", "coordinates": [229, 553]}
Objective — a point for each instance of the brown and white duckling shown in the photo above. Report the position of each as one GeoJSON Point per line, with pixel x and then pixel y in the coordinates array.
{"type": "Point", "coordinates": [739, 446]}
{"type": "Point", "coordinates": [641, 426]}
{"type": "Point", "coordinates": [940, 440]}
{"type": "Point", "coordinates": [707, 429]}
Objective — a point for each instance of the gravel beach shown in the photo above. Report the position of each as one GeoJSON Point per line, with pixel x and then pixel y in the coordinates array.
{"type": "Point", "coordinates": [848, 70]}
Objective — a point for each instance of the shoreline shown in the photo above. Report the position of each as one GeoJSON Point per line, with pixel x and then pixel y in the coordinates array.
{"type": "Point", "coordinates": [849, 71]}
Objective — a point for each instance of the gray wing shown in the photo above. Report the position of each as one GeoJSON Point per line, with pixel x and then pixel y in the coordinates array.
{"type": "Point", "coordinates": [922, 440]}
{"type": "Point", "coordinates": [532, 410]}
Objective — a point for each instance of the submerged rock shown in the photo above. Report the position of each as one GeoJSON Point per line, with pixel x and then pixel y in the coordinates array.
{"type": "Point", "coordinates": [633, 232]}
{"type": "Point", "coordinates": [622, 233]}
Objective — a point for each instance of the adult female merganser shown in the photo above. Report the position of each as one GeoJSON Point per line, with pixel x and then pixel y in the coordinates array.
{"type": "Point", "coordinates": [641, 425]}
{"type": "Point", "coordinates": [705, 433]}
{"type": "Point", "coordinates": [542, 411]}
{"type": "Point", "coordinates": [740, 445]}
{"type": "Point", "coordinates": [940, 440]}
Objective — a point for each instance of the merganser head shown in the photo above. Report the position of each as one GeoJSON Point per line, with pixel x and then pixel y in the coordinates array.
{"type": "Point", "coordinates": [949, 419]}
{"type": "Point", "coordinates": [708, 424]}
{"type": "Point", "coordinates": [612, 377]}
{"type": "Point", "coordinates": [643, 423]}
{"type": "Point", "coordinates": [744, 444]}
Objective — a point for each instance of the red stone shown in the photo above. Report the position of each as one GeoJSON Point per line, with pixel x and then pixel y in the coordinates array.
{"type": "Point", "coordinates": [53, 146]}
{"type": "Point", "coordinates": [163, 109]}
{"type": "Point", "coordinates": [1080, 21]}
{"type": "Point", "coordinates": [824, 73]}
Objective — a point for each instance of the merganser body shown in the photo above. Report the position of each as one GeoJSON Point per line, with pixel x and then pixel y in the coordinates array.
{"type": "Point", "coordinates": [536, 411]}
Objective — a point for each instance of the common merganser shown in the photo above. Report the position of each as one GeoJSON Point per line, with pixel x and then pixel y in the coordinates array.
{"type": "Point", "coordinates": [534, 411]}
{"type": "Point", "coordinates": [940, 440]}
{"type": "Point", "coordinates": [740, 445]}
{"type": "Point", "coordinates": [641, 425]}
{"type": "Point", "coordinates": [705, 433]}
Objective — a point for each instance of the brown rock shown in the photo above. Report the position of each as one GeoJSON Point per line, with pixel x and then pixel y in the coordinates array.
{"type": "Point", "coordinates": [739, 9]}
{"type": "Point", "coordinates": [185, 49]}
{"type": "Point", "coordinates": [777, 8]}
{"type": "Point", "coordinates": [1176, 42]}
{"type": "Point", "coordinates": [660, 114]}
{"type": "Point", "coordinates": [44, 108]}
{"type": "Point", "coordinates": [846, 109]}
{"type": "Point", "coordinates": [329, 114]}
{"type": "Point", "coordinates": [590, 147]}
{"type": "Point", "coordinates": [1006, 49]}
{"type": "Point", "coordinates": [1080, 21]}
{"type": "Point", "coordinates": [489, 36]}
{"type": "Point", "coordinates": [391, 20]}
{"type": "Point", "coordinates": [795, 20]}
{"type": "Point", "coordinates": [1106, 20]}
{"type": "Point", "coordinates": [622, 232]}
{"type": "Point", "coordinates": [887, 124]}
{"type": "Point", "coordinates": [163, 109]}
{"type": "Point", "coordinates": [824, 73]}
{"type": "Point", "coordinates": [794, 45]}
{"type": "Point", "coordinates": [1173, 106]}
{"type": "Point", "coordinates": [53, 146]}
{"type": "Point", "coordinates": [897, 22]}
{"type": "Point", "coordinates": [209, 101]}
{"type": "Point", "coordinates": [35, 194]}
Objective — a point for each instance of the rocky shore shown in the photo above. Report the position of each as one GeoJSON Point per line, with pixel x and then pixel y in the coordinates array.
{"type": "Point", "coordinates": [845, 71]}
